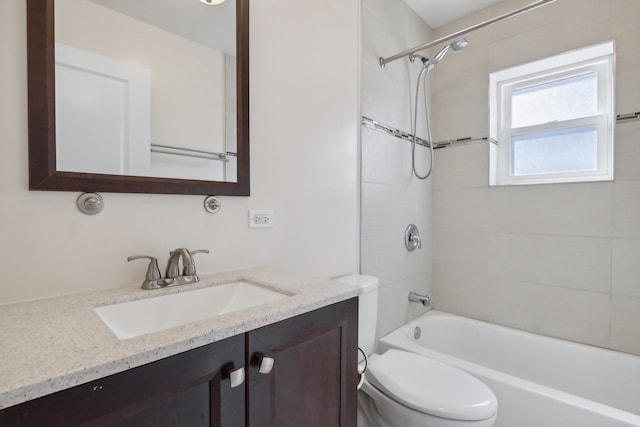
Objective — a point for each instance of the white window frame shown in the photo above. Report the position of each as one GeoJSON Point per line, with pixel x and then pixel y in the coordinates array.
{"type": "Point", "coordinates": [597, 59]}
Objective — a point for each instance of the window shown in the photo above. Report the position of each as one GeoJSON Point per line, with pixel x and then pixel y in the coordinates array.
{"type": "Point", "coordinates": [554, 119]}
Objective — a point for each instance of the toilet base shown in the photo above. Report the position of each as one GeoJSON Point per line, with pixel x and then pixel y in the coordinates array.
{"type": "Point", "coordinates": [368, 414]}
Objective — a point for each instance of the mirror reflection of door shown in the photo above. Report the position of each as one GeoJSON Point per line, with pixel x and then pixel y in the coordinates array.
{"type": "Point", "coordinates": [191, 92]}
{"type": "Point", "coordinates": [102, 114]}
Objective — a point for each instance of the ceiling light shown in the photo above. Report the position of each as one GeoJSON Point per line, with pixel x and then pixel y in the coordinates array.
{"type": "Point", "coordinates": [212, 2]}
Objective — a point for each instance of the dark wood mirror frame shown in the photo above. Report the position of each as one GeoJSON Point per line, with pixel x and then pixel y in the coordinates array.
{"type": "Point", "coordinates": [42, 120]}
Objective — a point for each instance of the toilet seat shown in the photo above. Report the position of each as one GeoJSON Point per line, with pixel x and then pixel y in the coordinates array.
{"type": "Point", "coordinates": [431, 387]}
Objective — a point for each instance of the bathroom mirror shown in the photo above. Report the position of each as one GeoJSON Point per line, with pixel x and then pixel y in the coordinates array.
{"type": "Point", "coordinates": [179, 126]}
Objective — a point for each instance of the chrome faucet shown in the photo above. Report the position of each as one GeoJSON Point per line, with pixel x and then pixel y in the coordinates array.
{"type": "Point", "coordinates": [173, 269]}
{"type": "Point", "coordinates": [188, 274]}
{"type": "Point", "coordinates": [173, 275]}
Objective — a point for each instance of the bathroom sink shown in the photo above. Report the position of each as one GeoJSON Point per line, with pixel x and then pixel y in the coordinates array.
{"type": "Point", "coordinates": [139, 317]}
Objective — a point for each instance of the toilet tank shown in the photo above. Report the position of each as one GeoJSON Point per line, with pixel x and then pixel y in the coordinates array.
{"type": "Point", "coordinates": [367, 308]}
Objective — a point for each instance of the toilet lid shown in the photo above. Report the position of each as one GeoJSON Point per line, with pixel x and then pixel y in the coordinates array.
{"type": "Point", "coordinates": [431, 386]}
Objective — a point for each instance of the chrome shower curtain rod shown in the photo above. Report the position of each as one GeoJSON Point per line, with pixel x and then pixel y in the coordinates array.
{"type": "Point", "coordinates": [385, 61]}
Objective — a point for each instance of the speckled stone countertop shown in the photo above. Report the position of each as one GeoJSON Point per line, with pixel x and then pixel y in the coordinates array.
{"type": "Point", "coordinates": [52, 344]}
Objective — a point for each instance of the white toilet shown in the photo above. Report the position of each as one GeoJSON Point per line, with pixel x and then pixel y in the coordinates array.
{"type": "Point", "coordinates": [403, 389]}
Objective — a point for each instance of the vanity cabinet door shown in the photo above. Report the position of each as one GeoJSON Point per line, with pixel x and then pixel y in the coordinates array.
{"type": "Point", "coordinates": [313, 379]}
{"type": "Point", "coordinates": [188, 389]}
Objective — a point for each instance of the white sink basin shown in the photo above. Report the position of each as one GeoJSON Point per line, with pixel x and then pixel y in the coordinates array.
{"type": "Point", "coordinates": [139, 317]}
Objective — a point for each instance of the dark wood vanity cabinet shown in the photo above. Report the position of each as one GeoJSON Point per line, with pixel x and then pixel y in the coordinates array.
{"type": "Point", "coordinates": [312, 382]}
{"type": "Point", "coordinates": [314, 377]}
{"type": "Point", "coordinates": [188, 389]}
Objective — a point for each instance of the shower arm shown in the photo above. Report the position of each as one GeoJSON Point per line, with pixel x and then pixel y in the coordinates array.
{"type": "Point", "coordinates": [385, 61]}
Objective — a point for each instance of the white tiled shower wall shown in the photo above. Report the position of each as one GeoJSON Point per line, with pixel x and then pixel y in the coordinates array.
{"type": "Point", "coordinates": [563, 259]}
{"type": "Point", "coordinates": [391, 198]}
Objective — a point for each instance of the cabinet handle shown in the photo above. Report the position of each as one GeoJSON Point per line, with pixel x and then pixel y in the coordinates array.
{"type": "Point", "coordinates": [235, 376]}
{"type": "Point", "coordinates": [264, 363]}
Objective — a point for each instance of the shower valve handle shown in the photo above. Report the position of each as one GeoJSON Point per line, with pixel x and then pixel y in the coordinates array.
{"type": "Point", "coordinates": [415, 238]}
{"type": "Point", "coordinates": [412, 238]}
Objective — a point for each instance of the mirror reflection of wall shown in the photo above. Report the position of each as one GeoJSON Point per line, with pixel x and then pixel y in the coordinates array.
{"type": "Point", "coordinates": [231, 128]}
{"type": "Point", "coordinates": [104, 122]}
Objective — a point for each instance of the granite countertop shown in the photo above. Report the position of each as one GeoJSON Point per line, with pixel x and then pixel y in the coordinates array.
{"type": "Point", "coordinates": [52, 344]}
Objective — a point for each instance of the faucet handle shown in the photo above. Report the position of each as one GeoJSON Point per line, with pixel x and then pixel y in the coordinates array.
{"type": "Point", "coordinates": [200, 251]}
{"type": "Point", "coordinates": [416, 238]}
{"type": "Point", "coordinates": [153, 276]}
{"type": "Point", "coordinates": [190, 268]}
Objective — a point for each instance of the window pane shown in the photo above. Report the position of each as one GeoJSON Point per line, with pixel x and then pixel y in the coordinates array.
{"type": "Point", "coordinates": [559, 100]}
{"type": "Point", "coordinates": [564, 150]}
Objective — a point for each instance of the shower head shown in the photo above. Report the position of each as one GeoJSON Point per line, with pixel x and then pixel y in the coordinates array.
{"type": "Point", "coordinates": [456, 46]}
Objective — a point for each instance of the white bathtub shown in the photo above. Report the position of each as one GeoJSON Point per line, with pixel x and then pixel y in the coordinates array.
{"type": "Point", "coordinates": [539, 381]}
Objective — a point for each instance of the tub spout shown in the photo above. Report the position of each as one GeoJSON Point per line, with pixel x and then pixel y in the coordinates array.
{"type": "Point", "coordinates": [422, 299]}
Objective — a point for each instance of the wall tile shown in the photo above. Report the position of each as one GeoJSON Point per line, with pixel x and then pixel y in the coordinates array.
{"type": "Point", "coordinates": [587, 18]}
{"type": "Point", "coordinates": [461, 113]}
{"type": "Point", "coordinates": [385, 159]}
{"type": "Point", "coordinates": [460, 274]}
{"type": "Point", "coordinates": [389, 27]}
{"type": "Point", "coordinates": [461, 209]}
{"type": "Point", "coordinates": [480, 37]}
{"type": "Point", "coordinates": [384, 256]}
{"type": "Point", "coordinates": [391, 208]}
{"type": "Point", "coordinates": [464, 296]}
{"type": "Point", "coordinates": [627, 149]}
{"type": "Point", "coordinates": [395, 109]}
{"type": "Point", "coordinates": [561, 209]}
{"type": "Point", "coordinates": [539, 44]}
{"type": "Point", "coordinates": [392, 197]}
{"type": "Point", "coordinates": [625, 318]}
{"type": "Point", "coordinates": [629, 92]}
{"type": "Point", "coordinates": [568, 262]}
{"type": "Point", "coordinates": [625, 275]}
{"type": "Point", "coordinates": [462, 167]}
{"type": "Point", "coordinates": [627, 71]}
{"type": "Point", "coordinates": [394, 307]}
{"type": "Point", "coordinates": [571, 314]}
{"type": "Point", "coordinates": [625, 13]}
{"type": "Point", "coordinates": [382, 208]}
{"type": "Point", "coordinates": [626, 209]}
{"type": "Point", "coordinates": [520, 24]}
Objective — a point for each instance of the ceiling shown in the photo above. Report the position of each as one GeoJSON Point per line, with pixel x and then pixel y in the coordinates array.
{"type": "Point", "coordinates": [212, 26]}
{"type": "Point", "coordinates": [437, 13]}
{"type": "Point", "coordinates": [207, 24]}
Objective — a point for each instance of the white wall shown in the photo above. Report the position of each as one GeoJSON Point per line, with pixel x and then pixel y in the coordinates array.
{"type": "Point", "coordinates": [391, 197]}
{"type": "Point", "coordinates": [560, 259]}
{"type": "Point", "coordinates": [304, 165]}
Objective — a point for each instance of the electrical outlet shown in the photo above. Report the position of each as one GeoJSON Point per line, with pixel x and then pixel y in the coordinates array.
{"type": "Point", "coordinates": [262, 218]}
